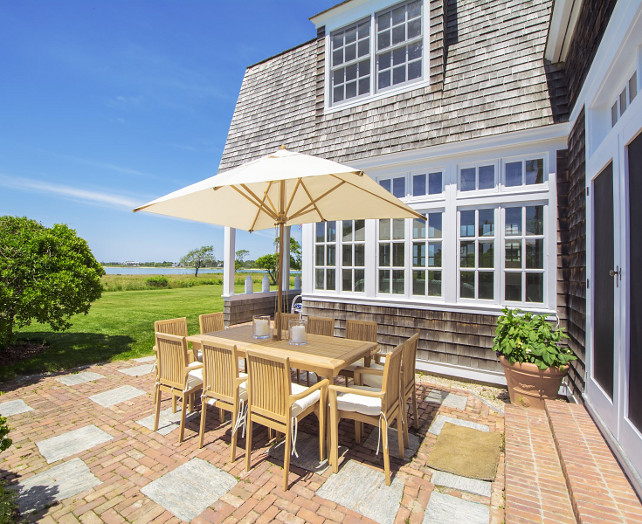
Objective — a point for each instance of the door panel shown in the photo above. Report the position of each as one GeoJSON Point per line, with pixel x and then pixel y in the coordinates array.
{"type": "Point", "coordinates": [603, 347]}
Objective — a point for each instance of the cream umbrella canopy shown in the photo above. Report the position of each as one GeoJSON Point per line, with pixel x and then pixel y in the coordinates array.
{"type": "Point", "coordinates": [282, 189]}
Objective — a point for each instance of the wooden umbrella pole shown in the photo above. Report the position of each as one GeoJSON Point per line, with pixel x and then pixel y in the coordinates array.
{"type": "Point", "coordinates": [279, 296]}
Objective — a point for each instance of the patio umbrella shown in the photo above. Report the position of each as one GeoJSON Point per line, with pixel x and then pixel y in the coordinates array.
{"type": "Point", "coordinates": [282, 189]}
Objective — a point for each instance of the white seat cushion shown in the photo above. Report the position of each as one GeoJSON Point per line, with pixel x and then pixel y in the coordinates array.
{"type": "Point", "coordinates": [195, 378]}
{"type": "Point", "coordinates": [360, 403]}
{"type": "Point", "coordinates": [375, 381]}
{"type": "Point", "coordinates": [303, 403]}
{"type": "Point", "coordinates": [242, 393]}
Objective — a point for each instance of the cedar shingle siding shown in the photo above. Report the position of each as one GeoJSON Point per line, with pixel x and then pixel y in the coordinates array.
{"type": "Point", "coordinates": [494, 81]}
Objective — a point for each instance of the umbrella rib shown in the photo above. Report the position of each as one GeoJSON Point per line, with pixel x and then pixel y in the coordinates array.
{"type": "Point", "coordinates": [313, 201]}
{"type": "Point", "coordinates": [400, 206]}
{"type": "Point", "coordinates": [296, 187]}
{"type": "Point", "coordinates": [254, 200]}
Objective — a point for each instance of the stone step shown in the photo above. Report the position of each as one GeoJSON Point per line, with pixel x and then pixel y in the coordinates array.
{"type": "Point", "coordinates": [536, 489]}
{"type": "Point", "coordinates": [598, 488]}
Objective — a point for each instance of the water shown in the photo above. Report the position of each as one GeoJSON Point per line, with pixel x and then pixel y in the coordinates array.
{"type": "Point", "coordinates": [133, 270]}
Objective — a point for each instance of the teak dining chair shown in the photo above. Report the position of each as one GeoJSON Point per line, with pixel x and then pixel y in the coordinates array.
{"type": "Point", "coordinates": [321, 326]}
{"type": "Point", "coordinates": [363, 404]}
{"type": "Point", "coordinates": [408, 363]}
{"type": "Point", "coordinates": [275, 402]}
{"type": "Point", "coordinates": [176, 375]}
{"type": "Point", "coordinates": [223, 386]}
{"type": "Point", "coordinates": [358, 330]}
{"type": "Point", "coordinates": [171, 326]}
{"type": "Point", "coordinates": [211, 322]}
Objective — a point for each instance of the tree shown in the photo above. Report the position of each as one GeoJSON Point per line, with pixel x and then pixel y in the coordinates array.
{"type": "Point", "coordinates": [198, 258]}
{"type": "Point", "coordinates": [239, 261]}
{"type": "Point", "coordinates": [46, 275]}
{"type": "Point", "coordinates": [271, 262]}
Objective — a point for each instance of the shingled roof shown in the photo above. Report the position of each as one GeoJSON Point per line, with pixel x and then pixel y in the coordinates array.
{"type": "Point", "coordinates": [494, 81]}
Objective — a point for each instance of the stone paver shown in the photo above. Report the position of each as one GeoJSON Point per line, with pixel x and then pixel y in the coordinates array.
{"type": "Point", "coordinates": [57, 483]}
{"type": "Point", "coordinates": [446, 509]}
{"type": "Point", "coordinates": [167, 422]}
{"type": "Point", "coordinates": [190, 489]}
{"type": "Point", "coordinates": [137, 371]}
{"type": "Point", "coordinates": [440, 420]}
{"type": "Point", "coordinates": [73, 379]}
{"type": "Point", "coordinates": [145, 359]}
{"type": "Point", "coordinates": [448, 400]}
{"type": "Point", "coordinates": [116, 396]}
{"type": "Point", "coordinates": [363, 489]}
{"type": "Point", "coordinates": [307, 447]}
{"type": "Point", "coordinates": [14, 407]}
{"type": "Point", "coordinates": [393, 447]}
{"type": "Point", "coordinates": [479, 487]}
{"type": "Point", "coordinates": [72, 442]}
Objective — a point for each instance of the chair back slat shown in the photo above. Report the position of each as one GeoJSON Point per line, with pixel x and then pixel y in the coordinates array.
{"type": "Point", "coordinates": [220, 369]}
{"type": "Point", "coordinates": [361, 330]}
{"type": "Point", "coordinates": [321, 326]}
{"type": "Point", "coordinates": [269, 385]}
{"type": "Point", "coordinates": [392, 378]}
{"type": "Point", "coordinates": [172, 359]}
{"type": "Point", "coordinates": [211, 322]}
{"type": "Point", "coordinates": [409, 360]}
{"type": "Point", "coordinates": [285, 318]}
{"type": "Point", "coordinates": [172, 326]}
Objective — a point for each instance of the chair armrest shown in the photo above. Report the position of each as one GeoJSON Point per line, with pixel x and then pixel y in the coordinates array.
{"type": "Point", "coordinates": [238, 381]}
{"type": "Point", "coordinates": [378, 357]}
{"type": "Point", "coordinates": [322, 384]}
{"type": "Point", "coordinates": [194, 365]}
{"type": "Point", "coordinates": [368, 371]}
{"type": "Point", "coordinates": [355, 391]}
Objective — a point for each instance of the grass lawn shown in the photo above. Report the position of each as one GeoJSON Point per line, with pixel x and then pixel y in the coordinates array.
{"type": "Point", "coordinates": [119, 326]}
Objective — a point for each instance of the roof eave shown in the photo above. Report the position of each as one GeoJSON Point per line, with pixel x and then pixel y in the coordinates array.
{"type": "Point", "coordinates": [564, 17]}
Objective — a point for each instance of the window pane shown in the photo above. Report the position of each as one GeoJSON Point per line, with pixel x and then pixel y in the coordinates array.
{"type": "Point", "coordinates": [535, 171]}
{"type": "Point", "coordinates": [398, 229]}
{"type": "Point", "coordinates": [398, 75]}
{"type": "Point", "coordinates": [364, 86]}
{"type": "Point", "coordinates": [351, 72]}
{"type": "Point", "coordinates": [534, 287]}
{"type": "Point", "coordinates": [467, 226]}
{"type": "Point", "coordinates": [398, 15]}
{"type": "Point", "coordinates": [535, 220]}
{"type": "Point", "coordinates": [384, 79]}
{"type": "Point", "coordinates": [418, 228]}
{"type": "Point", "coordinates": [347, 280]}
{"type": "Point", "coordinates": [414, 70]}
{"type": "Point", "coordinates": [330, 278]}
{"type": "Point", "coordinates": [486, 222]}
{"type": "Point", "coordinates": [418, 185]}
{"type": "Point", "coordinates": [384, 281]}
{"type": "Point", "coordinates": [622, 101]}
{"type": "Point", "coordinates": [534, 253]}
{"type": "Point", "coordinates": [419, 254]}
{"type": "Point", "coordinates": [467, 284]}
{"type": "Point", "coordinates": [330, 255]}
{"type": "Point", "coordinates": [384, 254]}
{"type": "Point", "coordinates": [385, 184]}
{"type": "Point", "coordinates": [614, 114]}
{"type": "Point", "coordinates": [350, 52]}
{"type": "Point", "coordinates": [347, 230]}
{"type": "Point", "coordinates": [513, 221]}
{"type": "Point", "coordinates": [359, 255]}
{"type": "Point", "coordinates": [384, 229]}
{"type": "Point", "coordinates": [486, 177]}
{"type": "Point", "coordinates": [467, 254]}
{"type": "Point", "coordinates": [414, 9]}
{"type": "Point", "coordinates": [414, 28]}
{"type": "Point", "coordinates": [633, 87]}
{"type": "Point", "coordinates": [383, 40]}
{"type": "Point", "coordinates": [332, 231]}
{"type": "Point", "coordinates": [414, 51]}
{"type": "Point", "coordinates": [513, 287]}
{"type": "Point", "coordinates": [364, 29]}
{"type": "Point", "coordinates": [384, 61]}
{"type": "Point", "coordinates": [467, 179]}
{"type": "Point", "coordinates": [434, 225]}
{"type": "Point", "coordinates": [318, 278]}
{"type": "Point", "coordinates": [320, 258]}
{"type": "Point", "coordinates": [399, 187]}
{"type": "Point", "coordinates": [513, 174]}
{"type": "Point", "coordinates": [398, 282]}
{"type": "Point", "coordinates": [486, 285]}
{"type": "Point", "coordinates": [351, 34]}
{"type": "Point", "coordinates": [337, 76]}
{"type": "Point", "coordinates": [347, 255]}
{"type": "Point", "coordinates": [418, 282]}
{"type": "Point", "coordinates": [359, 230]}
{"type": "Point", "coordinates": [337, 40]}
{"type": "Point", "coordinates": [398, 34]}
{"type": "Point", "coordinates": [363, 48]}
{"type": "Point", "coordinates": [514, 254]}
{"type": "Point", "coordinates": [434, 184]}
{"type": "Point", "coordinates": [434, 254]}
{"type": "Point", "coordinates": [486, 254]}
{"type": "Point", "coordinates": [398, 251]}
{"type": "Point", "coordinates": [320, 236]}
{"type": "Point", "coordinates": [359, 277]}
{"type": "Point", "coordinates": [383, 21]}
{"type": "Point", "coordinates": [434, 283]}
{"type": "Point", "coordinates": [337, 57]}
{"type": "Point", "coordinates": [351, 90]}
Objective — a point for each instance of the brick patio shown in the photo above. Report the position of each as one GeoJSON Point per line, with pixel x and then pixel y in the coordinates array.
{"type": "Point", "coordinates": [120, 469]}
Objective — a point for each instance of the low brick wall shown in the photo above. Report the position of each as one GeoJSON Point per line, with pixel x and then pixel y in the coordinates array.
{"type": "Point", "coordinates": [240, 308]}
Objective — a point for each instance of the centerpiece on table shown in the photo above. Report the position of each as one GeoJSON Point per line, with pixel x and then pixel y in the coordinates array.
{"type": "Point", "coordinates": [535, 360]}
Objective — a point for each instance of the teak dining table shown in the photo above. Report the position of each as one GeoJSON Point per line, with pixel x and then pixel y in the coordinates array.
{"type": "Point", "coordinates": [323, 355]}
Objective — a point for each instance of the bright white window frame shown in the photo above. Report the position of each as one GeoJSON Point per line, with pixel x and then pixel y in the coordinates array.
{"type": "Point", "coordinates": [481, 236]}
{"type": "Point", "coordinates": [354, 243]}
{"type": "Point", "coordinates": [430, 239]}
{"type": "Point", "coordinates": [327, 245]}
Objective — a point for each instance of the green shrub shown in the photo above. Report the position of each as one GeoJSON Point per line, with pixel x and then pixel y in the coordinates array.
{"type": "Point", "coordinates": [157, 281]}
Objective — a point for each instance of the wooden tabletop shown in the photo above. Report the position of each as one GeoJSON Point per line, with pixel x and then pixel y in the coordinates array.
{"type": "Point", "coordinates": [323, 355]}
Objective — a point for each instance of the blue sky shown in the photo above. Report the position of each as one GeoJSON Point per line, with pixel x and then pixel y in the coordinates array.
{"type": "Point", "coordinates": [105, 105]}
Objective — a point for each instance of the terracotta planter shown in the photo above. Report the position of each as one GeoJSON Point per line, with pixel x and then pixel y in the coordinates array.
{"type": "Point", "coordinates": [529, 386]}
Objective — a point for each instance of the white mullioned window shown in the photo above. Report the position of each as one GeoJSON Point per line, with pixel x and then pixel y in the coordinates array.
{"type": "Point", "coordinates": [427, 255]}
{"type": "Point", "coordinates": [353, 255]}
{"type": "Point", "coordinates": [325, 256]}
{"type": "Point", "coordinates": [392, 256]}
{"type": "Point", "coordinates": [477, 254]}
{"type": "Point", "coordinates": [523, 172]}
{"type": "Point", "coordinates": [477, 178]}
{"type": "Point", "coordinates": [350, 62]}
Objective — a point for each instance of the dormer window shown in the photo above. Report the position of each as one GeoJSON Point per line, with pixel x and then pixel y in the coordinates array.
{"type": "Point", "coordinates": [379, 53]}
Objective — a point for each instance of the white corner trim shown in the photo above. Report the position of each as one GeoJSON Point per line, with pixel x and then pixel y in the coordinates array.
{"type": "Point", "coordinates": [561, 29]}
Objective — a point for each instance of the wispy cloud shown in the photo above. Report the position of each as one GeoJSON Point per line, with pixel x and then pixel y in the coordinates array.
{"type": "Point", "coordinates": [81, 195]}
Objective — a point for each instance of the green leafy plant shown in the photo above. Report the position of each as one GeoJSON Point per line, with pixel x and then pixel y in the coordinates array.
{"type": "Point", "coordinates": [526, 337]}
{"type": "Point", "coordinates": [157, 281]}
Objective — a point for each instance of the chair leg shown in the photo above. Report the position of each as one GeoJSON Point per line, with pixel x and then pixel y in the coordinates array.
{"type": "Point", "coordinates": [221, 415]}
{"type": "Point", "coordinates": [202, 428]}
{"type": "Point", "coordinates": [182, 430]}
{"type": "Point", "coordinates": [401, 434]}
{"type": "Point", "coordinates": [248, 440]}
{"type": "Point", "coordinates": [235, 414]}
{"type": "Point", "coordinates": [173, 403]}
{"type": "Point", "coordinates": [404, 413]}
{"type": "Point", "coordinates": [415, 413]}
{"type": "Point", "coordinates": [322, 422]}
{"type": "Point", "coordinates": [158, 403]}
{"type": "Point", "coordinates": [286, 456]}
{"type": "Point", "coordinates": [334, 433]}
{"type": "Point", "coordinates": [386, 455]}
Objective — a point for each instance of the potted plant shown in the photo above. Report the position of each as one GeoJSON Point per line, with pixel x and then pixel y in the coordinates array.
{"type": "Point", "coordinates": [534, 359]}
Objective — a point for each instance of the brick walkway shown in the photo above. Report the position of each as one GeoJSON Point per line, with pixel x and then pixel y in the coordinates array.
{"type": "Point", "coordinates": [128, 457]}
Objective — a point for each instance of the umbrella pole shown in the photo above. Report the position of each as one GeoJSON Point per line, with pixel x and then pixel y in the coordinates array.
{"type": "Point", "coordinates": [279, 295]}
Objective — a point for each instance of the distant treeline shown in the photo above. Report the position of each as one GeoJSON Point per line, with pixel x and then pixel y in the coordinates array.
{"type": "Point", "coordinates": [247, 264]}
